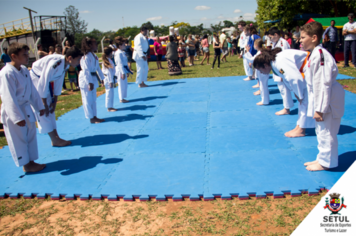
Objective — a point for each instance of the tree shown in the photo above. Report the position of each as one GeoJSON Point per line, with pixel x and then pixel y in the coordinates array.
{"type": "Point", "coordinates": [148, 25]}
{"type": "Point", "coordinates": [217, 27]}
{"type": "Point", "coordinates": [74, 24]}
{"type": "Point", "coordinates": [228, 24]}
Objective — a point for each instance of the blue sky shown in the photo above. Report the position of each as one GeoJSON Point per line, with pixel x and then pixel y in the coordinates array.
{"type": "Point", "coordinates": [108, 14]}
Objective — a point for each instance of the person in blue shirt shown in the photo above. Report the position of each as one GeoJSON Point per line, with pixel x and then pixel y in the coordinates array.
{"type": "Point", "coordinates": [4, 57]}
{"type": "Point", "coordinates": [332, 38]}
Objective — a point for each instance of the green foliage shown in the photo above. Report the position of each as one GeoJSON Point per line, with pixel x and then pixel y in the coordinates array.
{"type": "Point", "coordinates": [74, 24]}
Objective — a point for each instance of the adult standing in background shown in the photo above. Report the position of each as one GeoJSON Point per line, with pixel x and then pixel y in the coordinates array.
{"type": "Point", "coordinates": [5, 58]}
{"type": "Point", "coordinates": [224, 49]}
{"type": "Point", "coordinates": [349, 32]}
{"type": "Point", "coordinates": [172, 57]}
{"type": "Point", "coordinates": [333, 38]}
{"type": "Point", "coordinates": [40, 51]}
{"type": "Point", "coordinates": [205, 45]}
{"type": "Point", "coordinates": [67, 45]}
{"type": "Point", "coordinates": [140, 56]}
{"type": "Point", "coordinates": [157, 47]}
{"type": "Point", "coordinates": [296, 38]}
{"type": "Point", "coordinates": [191, 50]}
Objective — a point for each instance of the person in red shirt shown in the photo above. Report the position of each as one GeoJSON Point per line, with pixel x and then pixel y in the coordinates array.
{"type": "Point", "coordinates": [288, 39]}
{"type": "Point", "coordinates": [157, 46]}
{"type": "Point", "coordinates": [181, 54]}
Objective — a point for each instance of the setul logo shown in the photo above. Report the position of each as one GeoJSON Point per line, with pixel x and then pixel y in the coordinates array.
{"type": "Point", "coordinates": [335, 206]}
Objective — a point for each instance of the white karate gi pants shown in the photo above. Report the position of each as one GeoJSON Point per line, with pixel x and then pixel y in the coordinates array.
{"type": "Point", "coordinates": [286, 95]}
{"type": "Point", "coordinates": [122, 87]}
{"type": "Point", "coordinates": [109, 96]}
{"type": "Point", "coordinates": [89, 103]}
{"type": "Point", "coordinates": [142, 71]}
{"type": "Point", "coordinates": [263, 81]}
{"type": "Point", "coordinates": [304, 121]}
{"type": "Point", "coordinates": [248, 69]}
{"type": "Point", "coordinates": [22, 142]}
{"type": "Point", "coordinates": [46, 124]}
{"type": "Point", "coordinates": [326, 132]}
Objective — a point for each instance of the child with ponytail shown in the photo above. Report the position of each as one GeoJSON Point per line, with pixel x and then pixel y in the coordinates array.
{"type": "Point", "coordinates": [89, 77]}
{"type": "Point", "coordinates": [108, 69]}
{"type": "Point", "coordinates": [122, 70]}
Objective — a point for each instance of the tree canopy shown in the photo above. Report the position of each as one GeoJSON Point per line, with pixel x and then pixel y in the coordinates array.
{"type": "Point", "coordinates": [74, 24]}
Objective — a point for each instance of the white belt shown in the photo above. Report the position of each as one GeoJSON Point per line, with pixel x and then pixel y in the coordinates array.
{"type": "Point", "coordinates": [22, 107]}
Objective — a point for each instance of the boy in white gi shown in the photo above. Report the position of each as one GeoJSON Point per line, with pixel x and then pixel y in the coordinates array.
{"type": "Point", "coordinates": [279, 42]}
{"type": "Point", "coordinates": [326, 97]}
{"type": "Point", "coordinates": [108, 69]}
{"type": "Point", "coordinates": [52, 68]}
{"type": "Point", "coordinates": [89, 77]}
{"type": "Point", "coordinates": [263, 78]}
{"type": "Point", "coordinates": [18, 95]}
{"type": "Point", "coordinates": [122, 70]}
{"type": "Point", "coordinates": [243, 42]}
{"type": "Point", "coordinates": [140, 56]}
{"type": "Point", "coordinates": [289, 65]}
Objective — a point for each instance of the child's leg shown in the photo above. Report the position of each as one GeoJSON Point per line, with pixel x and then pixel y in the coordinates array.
{"type": "Point", "coordinates": [248, 70]}
{"type": "Point", "coordinates": [123, 90]}
{"type": "Point", "coordinates": [109, 97]}
{"type": "Point", "coordinates": [219, 60]}
{"type": "Point", "coordinates": [326, 132]}
{"type": "Point", "coordinates": [263, 81]}
{"type": "Point", "coordinates": [287, 99]}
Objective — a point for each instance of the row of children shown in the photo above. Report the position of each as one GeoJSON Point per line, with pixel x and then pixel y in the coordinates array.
{"type": "Point", "coordinates": [30, 96]}
{"type": "Point", "coordinates": [311, 76]}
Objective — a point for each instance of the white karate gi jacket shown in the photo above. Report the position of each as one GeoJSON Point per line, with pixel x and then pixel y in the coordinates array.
{"type": "Point", "coordinates": [18, 94]}
{"type": "Point", "coordinates": [287, 66]}
{"type": "Point", "coordinates": [141, 47]}
{"type": "Point", "coordinates": [47, 69]}
{"type": "Point", "coordinates": [109, 73]}
{"type": "Point", "coordinates": [325, 93]}
{"type": "Point", "coordinates": [121, 64]}
{"type": "Point", "coordinates": [90, 64]}
{"type": "Point", "coordinates": [283, 44]}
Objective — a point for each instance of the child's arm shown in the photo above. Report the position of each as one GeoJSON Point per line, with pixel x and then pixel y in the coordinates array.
{"type": "Point", "coordinates": [36, 101]}
{"type": "Point", "coordinates": [9, 100]}
{"type": "Point", "coordinates": [100, 73]}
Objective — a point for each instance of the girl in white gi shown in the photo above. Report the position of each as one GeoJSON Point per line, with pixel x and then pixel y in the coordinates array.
{"type": "Point", "coordinates": [262, 78]}
{"type": "Point", "coordinates": [122, 70]}
{"type": "Point", "coordinates": [243, 42]}
{"type": "Point", "coordinates": [278, 42]}
{"type": "Point", "coordinates": [88, 79]}
{"type": "Point", "coordinates": [140, 56]}
{"type": "Point", "coordinates": [289, 65]}
{"type": "Point", "coordinates": [17, 94]}
{"type": "Point", "coordinates": [326, 97]}
{"type": "Point", "coordinates": [108, 69]}
{"type": "Point", "coordinates": [52, 68]}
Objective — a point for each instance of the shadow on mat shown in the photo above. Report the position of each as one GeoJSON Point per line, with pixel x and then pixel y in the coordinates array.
{"type": "Point", "coordinates": [272, 85]}
{"type": "Point", "coordinates": [73, 166]}
{"type": "Point", "coordinates": [147, 99]}
{"type": "Point", "coordinates": [274, 91]}
{"type": "Point", "coordinates": [135, 108]}
{"type": "Point", "coordinates": [103, 139]}
{"type": "Point", "coordinates": [344, 129]}
{"type": "Point", "coordinates": [167, 84]}
{"type": "Point", "coordinates": [126, 118]}
{"type": "Point", "coordinates": [277, 102]}
{"type": "Point", "coordinates": [345, 161]}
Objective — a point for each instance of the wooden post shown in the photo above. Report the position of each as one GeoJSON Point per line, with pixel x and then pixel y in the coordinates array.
{"type": "Point", "coordinates": [33, 32]}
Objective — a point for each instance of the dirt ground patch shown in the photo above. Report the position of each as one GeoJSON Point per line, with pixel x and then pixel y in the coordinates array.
{"type": "Point", "coordinates": [235, 217]}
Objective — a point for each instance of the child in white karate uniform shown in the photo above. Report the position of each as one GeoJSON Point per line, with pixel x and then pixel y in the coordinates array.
{"type": "Point", "coordinates": [88, 79]}
{"type": "Point", "coordinates": [262, 78]}
{"type": "Point", "coordinates": [279, 42]}
{"type": "Point", "coordinates": [326, 97]}
{"type": "Point", "coordinates": [290, 66]}
{"type": "Point", "coordinates": [18, 94]}
{"type": "Point", "coordinates": [122, 70]}
{"type": "Point", "coordinates": [108, 69]}
{"type": "Point", "coordinates": [52, 68]}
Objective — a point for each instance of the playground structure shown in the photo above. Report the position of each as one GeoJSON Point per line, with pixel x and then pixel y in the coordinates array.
{"type": "Point", "coordinates": [47, 30]}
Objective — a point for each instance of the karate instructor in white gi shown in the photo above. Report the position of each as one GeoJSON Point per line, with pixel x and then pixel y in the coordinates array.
{"type": "Point", "coordinates": [140, 56]}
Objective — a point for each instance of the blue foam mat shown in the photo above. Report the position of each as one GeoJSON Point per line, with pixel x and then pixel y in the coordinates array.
{"type": "Point", "coordinates": [195, 138]}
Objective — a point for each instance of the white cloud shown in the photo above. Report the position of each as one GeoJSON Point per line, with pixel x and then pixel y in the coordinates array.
{"type": "Point", "coordinates": [84, 12]}
{"type": "Point", "coordinates": [249, 16]}
{"type": "Point", "coordinates": [204, 19]}
{"type": "Point", "coordinates": [237, 11]}
{"type": "Point", "coordinates": [221, 17]}
{"type": "Point", "coordinates": [202, 8]}
{"type": "Point", "coordinates": [154, 18]}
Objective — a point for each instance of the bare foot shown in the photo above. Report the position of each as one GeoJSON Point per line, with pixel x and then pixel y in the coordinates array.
{"type": "Point", "coordinates": [283, 112]}
{"type": "Point", "coordinates": [316, 167]}
{"type": "Point", "coordinates": [295, 133]}
{"type": "Point", "coordinates": [112, 109]}
{"type": "Point", "coordinates": [33, 167]}
{"type": "Point", "coordinates": [96, 120]}
{"type": "Point", "coordinates": [124, 101]}
{"type": "Point", "coordinates": [310, 163]}
{"type": "Point", "coordinates": [259, 104]}
{"type": "Point", "coordinates": [257, 92]}
{"type": "Point", "coordinates": [61, 143]}
{"type": "Point", "coordinates": [143, 85]}
{"type": "Point", "coordinates": [247, 79]}
{"type": "Point", "coordinates": [256, 86]}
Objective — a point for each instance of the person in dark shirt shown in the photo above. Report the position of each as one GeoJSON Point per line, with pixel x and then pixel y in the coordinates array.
{"type": "Point", "coordinates": [128, 51]}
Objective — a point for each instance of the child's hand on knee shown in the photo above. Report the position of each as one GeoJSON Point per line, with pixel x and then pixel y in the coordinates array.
{"type": "Point", "coordinates": [21, 123]}
{"type": "Point", "coordinates": [318, 116]}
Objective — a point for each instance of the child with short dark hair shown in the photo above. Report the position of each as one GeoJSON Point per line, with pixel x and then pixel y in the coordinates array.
{"type": "Point", "coordinates": [181, 54]}
{"type": "Point", "coordinates": [326, 97]}
{"type": "Point", "coordinates": [18, 94]}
